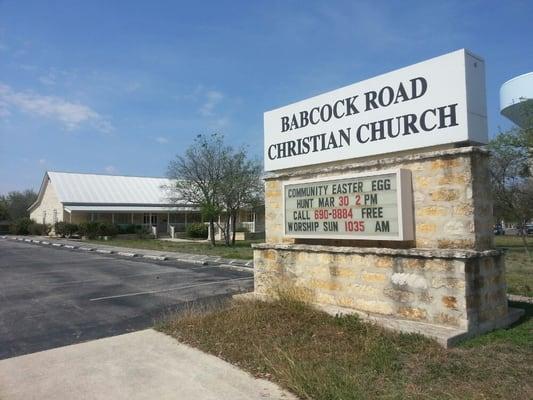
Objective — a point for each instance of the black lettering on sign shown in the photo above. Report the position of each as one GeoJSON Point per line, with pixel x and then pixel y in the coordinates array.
{"type": "Point", "coordinates": [382, 226]}
{"type": "Point", "coordinates": [372, 212]}
{"type": "Point", "coordinates": [300, 215]}
{"type": "Point", "coordinates": [304, 203]}
{"type": "Point", "coordinates": [381, 184]}
{"type": "Point", "coordinates": [331, 226]}
{"type": "Point", "coordinates": [371, 199]}
{"type": "Point", "coordinates": [326, 201]}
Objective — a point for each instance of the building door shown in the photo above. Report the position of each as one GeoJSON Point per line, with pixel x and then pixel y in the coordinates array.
{"type": "Point", "coordinates": [163, 224]}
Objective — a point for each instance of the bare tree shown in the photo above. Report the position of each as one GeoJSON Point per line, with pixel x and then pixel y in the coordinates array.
{"type": "Point", "coordinates": [242, 187]}
{"type": "Point", "coordinates": [199, 174]}
{"type": "Point", "coordinates": [218, 178]}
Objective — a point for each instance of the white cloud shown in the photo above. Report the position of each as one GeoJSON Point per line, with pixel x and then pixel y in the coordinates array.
{"type": "Point", "coordinates": [71, 115]}
{"type": "Point", "coordinates": [219, 123]}
{"type": "Point", "coordinates": [212, 98]}
{"type": "Point", "coordinates": [111, 169]}
{"type": "Point", "coordinates": [42, 161]}
{"type": "Point", "coordinates": [133, 86]}
{"type": "Point", "coordinates": [49, 79]}
{"type": "Point", "coordinates": [161, 139]}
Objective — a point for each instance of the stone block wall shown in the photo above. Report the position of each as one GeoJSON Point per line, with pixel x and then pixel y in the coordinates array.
{"type": "Point", "coordinates": [48, 205]}
{"type": "Point", "coordinates": [452, 208]}
{"type": "Point", "coordinates": [448, 276]}
{"type": "Point", "coordinates": [462, 289]}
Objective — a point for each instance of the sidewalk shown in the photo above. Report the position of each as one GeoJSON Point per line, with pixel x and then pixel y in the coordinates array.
{"type": "Point", "coordinates": [135, 366]}
{"type": "Point", "coordinates": [133, 252]}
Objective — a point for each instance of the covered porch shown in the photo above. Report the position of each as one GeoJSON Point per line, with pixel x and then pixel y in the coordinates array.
{"type": "Point", "coordinates": [165, 220]}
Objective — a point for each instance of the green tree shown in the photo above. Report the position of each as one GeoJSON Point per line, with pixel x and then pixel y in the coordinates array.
{"type": "Point", "coordinates": [4, 213]}
{"type": "Point", "coordinates": [511, 174]}
{"type": "Point", "coordinates": [15, 204]}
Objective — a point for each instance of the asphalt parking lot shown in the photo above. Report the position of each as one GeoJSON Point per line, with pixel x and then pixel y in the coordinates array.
{"type": "Point", "coordinates": [52, 297]}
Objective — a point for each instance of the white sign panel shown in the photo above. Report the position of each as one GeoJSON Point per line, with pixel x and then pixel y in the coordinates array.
{"type": "Point", "coordinates": [376, 206]}
{"type": "Point", "coordinates": [435, 102]}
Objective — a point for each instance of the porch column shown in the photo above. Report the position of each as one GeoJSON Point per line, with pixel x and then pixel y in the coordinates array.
{"type": "Point", "coordinates": [253, 220]}
{"type": "Point", "coordinates": [112, 218]}
{"type": "Point", "coordinates": [168, 222]}
{"type": "Point", "coordinates": [132, 218]}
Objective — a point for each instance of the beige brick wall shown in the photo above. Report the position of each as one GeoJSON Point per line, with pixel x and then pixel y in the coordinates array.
{"type": "Point", "coordinates": [446, 288]}
{"type": "Point", "coordinates": [48, 204]}
{"type": "Point", "coordinates": [448, 275]}
{"type": "Point", "coordinates": [452, 208]}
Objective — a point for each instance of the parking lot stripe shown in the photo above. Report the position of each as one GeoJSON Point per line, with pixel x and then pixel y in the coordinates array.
{"type": "Point", "coordinates": [169, 289]}
{"type": "Point", "coordinates": [122, 278]}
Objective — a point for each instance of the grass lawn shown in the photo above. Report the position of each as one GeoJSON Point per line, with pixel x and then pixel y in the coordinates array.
{"type": "Point", "coordinates": [242, 249]}
{"type": "Point", "coordinates": [519, 267]}
{"type": "Point", "coordinates": [318, 356]}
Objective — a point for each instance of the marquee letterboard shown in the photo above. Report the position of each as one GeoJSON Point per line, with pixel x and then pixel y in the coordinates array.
{"type": "Point", "coordinates": [374, 206]}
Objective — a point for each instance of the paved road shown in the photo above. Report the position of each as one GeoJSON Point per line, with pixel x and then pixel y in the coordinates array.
{"type": "Point", "coordinates": [52, 297]}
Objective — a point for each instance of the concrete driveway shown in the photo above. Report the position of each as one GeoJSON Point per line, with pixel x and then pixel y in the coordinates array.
{"type": "Point", "coordinates": [52, 297]}
{"type": "Point", "coordinates": [145, 365]}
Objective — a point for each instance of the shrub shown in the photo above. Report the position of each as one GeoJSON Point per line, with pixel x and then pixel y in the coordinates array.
{"type": "Point", "coordinates": [143, 232]}
{"type": "Point", "coordinates": [21, 226]}
{"type": "Point", "coordinates": [107, 229]}
{"type": "Point", "coordinates": [197, 230]}
{"type": "Point", "coordinates": [89, 229]}
{"type": "Point", "coordinates": [60, 228]}
{"type": "Point", "coordinates": [65, 229]}
{"type": "Point", "coordinates": [126, 229]}
{"type": "Point", "coordinates": [39, 229]}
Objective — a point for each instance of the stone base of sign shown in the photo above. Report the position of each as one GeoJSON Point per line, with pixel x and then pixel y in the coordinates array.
{"type": "Point", "coordinates": [448, 282]}
{"type": "Point", "coordinates": [444, 294]}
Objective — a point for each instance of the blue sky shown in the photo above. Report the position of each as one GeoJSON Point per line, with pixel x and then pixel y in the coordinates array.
{"type": "Point", "coordinates": [124, 86]}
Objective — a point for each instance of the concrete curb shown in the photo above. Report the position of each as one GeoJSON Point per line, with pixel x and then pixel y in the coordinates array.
{"type": "Point", "coordinates": [86, 248]}
{"type": "Point", "coordinates": [155, 257]}
{"type": "Point", "coordinates": [520, 299]}
{"type": "Point", "coordinates": [127, 254]}
{"type": "Point", "coordinates": [242, 265]}
{"type": "Point", "coordinates": [104, 251]}
{"type": "Point", "coordinates": [237, 267]}
{"type": "Point", "coordinates": [187, 260]}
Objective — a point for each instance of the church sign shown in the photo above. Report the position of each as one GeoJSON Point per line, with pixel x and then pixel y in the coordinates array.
{"type": "Point", "coordinates": [435, 102]}
{"type": "Point", "coordinates": [375, 206]}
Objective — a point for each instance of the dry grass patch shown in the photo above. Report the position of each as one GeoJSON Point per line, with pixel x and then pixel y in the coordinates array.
{"type": "Point", "coordinates": [318, 356]}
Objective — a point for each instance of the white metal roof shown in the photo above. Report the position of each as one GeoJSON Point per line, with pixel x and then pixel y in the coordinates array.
{"type": "Point", "coordinates": [110, 189]}
{"type": "Point", "coordinates": [128, 208]}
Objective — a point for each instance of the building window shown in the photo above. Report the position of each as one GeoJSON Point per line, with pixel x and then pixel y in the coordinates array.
{"type": "Point", "coordinates": [249, 217]}
{"type": "Point", "coordinates": [54, 216]}
{"type": "Point", "coordinates": [44, 217]}
{"type": "Point", "coordinates": [148, 220]}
